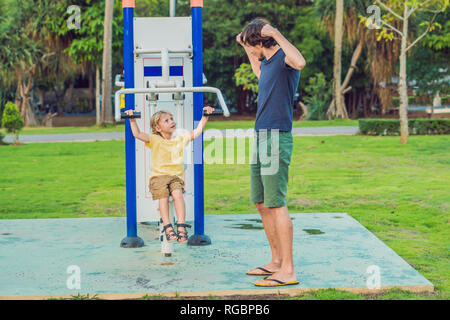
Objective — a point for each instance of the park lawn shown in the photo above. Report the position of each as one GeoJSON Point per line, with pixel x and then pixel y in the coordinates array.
{"type": "Point", "coordinates": [398, 192]}
{"type": "Point", "coordinates": [213, 124]}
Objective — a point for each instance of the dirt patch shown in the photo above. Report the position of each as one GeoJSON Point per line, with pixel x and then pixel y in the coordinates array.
{"type": "Point", "coordinates": [74, 121]}
{"type": "Point", "coordinates": [233, 297]}
{"type": "Point", "coordinates": [304, 202]}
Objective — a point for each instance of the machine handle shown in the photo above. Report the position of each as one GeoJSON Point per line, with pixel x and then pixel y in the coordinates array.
{"type": "Point", "coordinates": [136, 115]}
{"type": "Point", "coordinates": [226, 112]}
{"type": "Point", "coordinates": [217, 112]}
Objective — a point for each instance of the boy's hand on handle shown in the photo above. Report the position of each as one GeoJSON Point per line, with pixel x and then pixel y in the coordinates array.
{"type": "Point", "coordinates": [130, 113]}
{"type": "Point", "coordinates": [208, 110]}
{"type": "Point", "coordinates": [201, 125]}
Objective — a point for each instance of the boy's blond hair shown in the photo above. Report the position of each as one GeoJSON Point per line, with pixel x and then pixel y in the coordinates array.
{"type": "Point", "coordinates": [155, 120]}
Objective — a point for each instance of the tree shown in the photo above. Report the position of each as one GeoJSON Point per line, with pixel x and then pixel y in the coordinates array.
{"type": "Point", "coordinates": [12, 120]}
{"type": "Point", "coordinates": [85, 46]}
{"type": "Point", "coordinates": [245, 78]}
{"type": "Point", "coordinates": [434, 52]}
{"type": "Point", "coordinates": [354, 32]}
{"type": "Point", "coordinates": [21, 50]}
{"type": "Point", "coordinates": [223, 20]}
{"type": "Point", "coordinates": [403, 11]}
{"type": "Point", "coordinates": [29, 50]}
{"type": "Point", "coordinates": [319, 95]}
{"type": "Point", "coordinates": [106, 66]}
{"type": "Point", "coordinates": [337, 109]}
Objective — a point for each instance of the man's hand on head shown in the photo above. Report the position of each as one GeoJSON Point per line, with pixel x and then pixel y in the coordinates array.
{"type": "Point", "coordinates": [268, 31]}
{"type": "Point", "coordinates": [238, 39]}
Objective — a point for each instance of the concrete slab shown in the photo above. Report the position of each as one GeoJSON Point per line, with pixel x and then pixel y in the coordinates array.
{"type": "Point", "coordinates": [331, 250]}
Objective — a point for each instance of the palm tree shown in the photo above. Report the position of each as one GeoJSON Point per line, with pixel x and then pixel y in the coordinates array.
{"type": "Point", "coordinates": [337, 108]}
{"type": "Point", "coordinates": [354, 32]}
{"type": "Point", "coordinates": [382, 55]}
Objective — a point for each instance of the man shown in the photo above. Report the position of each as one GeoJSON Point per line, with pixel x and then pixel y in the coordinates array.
{"type": "Point", "coordinates": [277, 64]}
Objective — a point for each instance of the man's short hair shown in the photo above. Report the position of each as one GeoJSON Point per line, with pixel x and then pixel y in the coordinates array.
{"type": "Point", "coordinates": [251, 35]}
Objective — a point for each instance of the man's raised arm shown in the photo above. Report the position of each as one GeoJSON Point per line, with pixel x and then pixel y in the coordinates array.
{"type": "Point", "coordinates": [254, 61]}
{"type": "Point", "coordinates": [293, 56]}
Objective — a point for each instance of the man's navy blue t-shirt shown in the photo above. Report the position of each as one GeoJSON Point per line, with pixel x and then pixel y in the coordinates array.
{"type": "Point", "coordinates": [278, 83]}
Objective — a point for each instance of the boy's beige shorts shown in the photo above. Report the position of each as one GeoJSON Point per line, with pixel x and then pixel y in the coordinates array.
{"type": "Point", "coordinates": [162, 186]}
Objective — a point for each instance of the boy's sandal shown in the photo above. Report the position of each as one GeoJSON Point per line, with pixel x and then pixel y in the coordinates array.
{"type": "Point", "coordinates": [171, 233]}
{"type": "Point", "coordinates": [182, 234]}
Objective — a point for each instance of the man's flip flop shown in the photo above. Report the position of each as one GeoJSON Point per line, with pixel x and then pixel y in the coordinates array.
{"type": "Point", "coordinates": [279, 283]}
{"type": "Point", "coordinates": [264, 273]}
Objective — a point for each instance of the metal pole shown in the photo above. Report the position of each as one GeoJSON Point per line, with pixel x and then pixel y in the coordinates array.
{"type": "Point", "coordinates": [199, 238]}
{"type": "Point", "coordinates": [131, 240]}
{"type": "Point", "coordinates": [173, 4]}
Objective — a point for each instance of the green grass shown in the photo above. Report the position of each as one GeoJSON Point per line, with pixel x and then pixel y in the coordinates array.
{"type": "Point", "coordinates": [399, 192]}
{"type": "Point", "coordinates": [213, 124]}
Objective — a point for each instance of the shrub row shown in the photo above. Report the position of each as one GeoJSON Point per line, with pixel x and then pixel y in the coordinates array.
{"type": "Point", "coordinates": [389, 127]}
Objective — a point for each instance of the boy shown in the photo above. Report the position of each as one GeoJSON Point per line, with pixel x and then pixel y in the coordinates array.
{"type": "Point", "coordinates": [167, 166]}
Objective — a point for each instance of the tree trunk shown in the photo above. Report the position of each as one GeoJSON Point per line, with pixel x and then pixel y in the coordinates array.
{"type": "Point", "coordinates": [17, 98]}
{"type": "Point", "coordinates": [69, 97]}
{"type": "Point", "coordinates": [91, 89]}
{"type": "Point", "coordinates": [59, 94]}
{"type": "Point", "coordinates": [363, 99]}
{"type": "Point", "coordinates": [304, 109]}
{"type": "Point", "coordinates": [242, 100]}
{"type": "Point", "coordinates": [355, 57]}
{"type": "Point", "coordinates": [41, 95]}
{"type": "Point", "coordinates": [402, 86]}
{"type": "Point", "coordinates": [336, 108]}
{"type": "Point", "coordinates": [98, 118]}
{"type": "Point", "coordinates": [106, 66]}
{"type": "Point", "coordinates": [47, 121]}
{"type": "Point", "coordinates": [26, 109]}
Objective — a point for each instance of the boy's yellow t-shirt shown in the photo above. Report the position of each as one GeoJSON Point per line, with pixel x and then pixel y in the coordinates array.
{"type": "Point", "coordinates": [167, 155]}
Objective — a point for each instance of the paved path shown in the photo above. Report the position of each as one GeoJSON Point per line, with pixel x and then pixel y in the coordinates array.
{"type": "Point", "coordinates": [86, 137]}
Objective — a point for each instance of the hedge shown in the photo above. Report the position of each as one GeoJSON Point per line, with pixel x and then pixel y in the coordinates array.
{"type": "Point", "coordinates": [389, 127]}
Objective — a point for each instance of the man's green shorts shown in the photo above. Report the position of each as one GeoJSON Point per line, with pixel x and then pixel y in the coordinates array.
{"type": "Point", "coordinates": [269, 169]}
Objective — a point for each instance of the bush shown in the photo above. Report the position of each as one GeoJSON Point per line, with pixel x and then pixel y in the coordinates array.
{"type": "Point", "coordinates": [12, 120]}
{"type": "Point", "coordinates": [318, 99]}
{"type": "Point", "coordinates": [392, 127]}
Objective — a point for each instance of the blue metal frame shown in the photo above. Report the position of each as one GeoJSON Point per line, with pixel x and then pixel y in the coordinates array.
{"type": "Point", "coordinates": [132, 240]}
{"type": "Point", "coordinates": [199, 237]}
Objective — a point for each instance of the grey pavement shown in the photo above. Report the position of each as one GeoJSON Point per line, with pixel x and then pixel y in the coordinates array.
{"type": "Point", "coordinates": [104, 136]}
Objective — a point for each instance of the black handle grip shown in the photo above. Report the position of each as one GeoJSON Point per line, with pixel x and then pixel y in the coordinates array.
{"type": "Point", "coordinates": [216, 112]}
{"type": "Point", "coordinates": [136, 115]}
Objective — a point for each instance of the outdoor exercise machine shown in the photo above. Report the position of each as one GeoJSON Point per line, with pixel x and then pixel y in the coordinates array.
{"type": "Point", "coordinates": [163, 68]}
